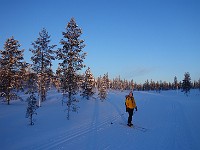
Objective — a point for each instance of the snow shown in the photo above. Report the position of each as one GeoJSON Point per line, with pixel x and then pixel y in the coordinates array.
{"type": "Point", "coordinates": [170, 119]}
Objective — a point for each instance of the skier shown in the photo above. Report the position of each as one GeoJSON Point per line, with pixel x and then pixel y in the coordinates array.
{"type": "Point", "coordinates": [130, 105]}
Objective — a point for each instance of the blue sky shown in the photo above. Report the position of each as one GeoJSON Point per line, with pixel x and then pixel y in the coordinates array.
{"type": "Point", "coordinates": [136, 39]}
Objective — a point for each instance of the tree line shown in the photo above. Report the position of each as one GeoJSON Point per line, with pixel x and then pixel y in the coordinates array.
{"type": "Point", "coordinates": [185, 84]}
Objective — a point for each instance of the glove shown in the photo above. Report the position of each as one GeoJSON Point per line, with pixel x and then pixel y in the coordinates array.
{"type": "Point", "coordinates": [136, 108]}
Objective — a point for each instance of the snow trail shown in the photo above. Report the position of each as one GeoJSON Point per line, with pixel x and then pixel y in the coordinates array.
{"type": "Point", "coordinates": [86, 128]}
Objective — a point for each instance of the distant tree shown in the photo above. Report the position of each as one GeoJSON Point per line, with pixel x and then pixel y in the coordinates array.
{"type": "Point", "coordinates": [138, 87]}
{"type": "Point", "coordinates": [32, 99]}
{"type": "Point", "coordinates": [107, 81]}
{"type": "Point", "coordinates": [166, 85]}
{"type": "Point", "coordinates": [88, 85]}
{"type": "Point", "coordinates": [102, 88]}
{"type": "Point", "coordinates": [12, 70]}
{"type": "Point", "coordinates": [72, 58]}
{"type": "Point", "coordinates": [117, 84]}
{"type": "Point", "coordinates": [58, 79]}
{"type": "Point", "coordinates": [175, 83]}
{"type": "Point", "coordinates": [186, 84]}
{"type": "Point", "coordinates": [170, 86]}
{"type": "Point", "coordinates": [157, 87]}
{"type": "Point", "coordinates": [43, 54]}
{"type": "Point", "coordinates": [152, 85]}
{"type": "Point", "coordinates": [125, 85]}
{"type": "Point", "coordinates": [132, 85]}
{"type": "Point", "coordinates": [98, 82]}
{"type": "Point", "coordinates": [199, 84]}
{"type": "Point", "coordinates": [146, 85]}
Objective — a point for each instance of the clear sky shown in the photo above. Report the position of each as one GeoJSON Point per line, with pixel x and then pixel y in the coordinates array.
{"type": "Point", "coordinates": [136, 39]}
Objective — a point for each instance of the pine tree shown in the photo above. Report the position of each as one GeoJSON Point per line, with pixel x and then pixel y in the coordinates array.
{"type": "Point", "coordinates": [103, 88]}
{"type": "Point", "coordinates": [175, 83]}
{"type": "Point", "coordinates": [117, 84]}
{"type": "Point", "coordinates": [88, 85]}
{"type": "Point", "coordinates": [57, 79]}
{"type": "Point", "coordinates": [186, 85]}
{"type": "Point", "coordinates": [199, 84]}
{"type": "Point", "coordinates": [107, 81]}
{"type": "Point", "coordinates": [157, 87]}
{"type": "Point", "coordinates": [131, 85]}
{"type": "Point", "coordinates": [12, 70]}
{"type": "Point", "coordinates": [147, 85]}
{"type": "Point", "coordinates": [43, 54]}
{"type": "Point", "coordinates": [31, 100]}
{"type": "Point", "coordinates": [72, 57]}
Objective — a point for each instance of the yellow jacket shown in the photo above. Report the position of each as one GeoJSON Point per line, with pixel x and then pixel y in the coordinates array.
{"type": "Point", "coordinates": [130, 102]}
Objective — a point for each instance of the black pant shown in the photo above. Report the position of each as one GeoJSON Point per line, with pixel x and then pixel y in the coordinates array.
{"type": "Point", "coordinates": [130, 112]}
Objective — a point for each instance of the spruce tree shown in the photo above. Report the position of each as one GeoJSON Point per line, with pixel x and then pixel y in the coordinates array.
{"type": "Point", "coordinates": [102, 88]}
{"type": "Point", "coordinates": [199, 84]}
{"type": "Point", "coordinates": [88, 85]}
{"type": "Point", "coordinates": [146, 85]}
{"type": "Point", "coordinates": [186, 85]}
{"type": "Point", "coordinates": [31, 100]}
{"type": "Point", "coordinates": [43, 54]}
{"type": "Point", "coordinates": [175, 83]}
{"type": "Point", "coordinates": [157, 87]}
{"type": "Point", "coordinates": [72, 56]}
{"type": "Point", "coordinates": [12, 70]}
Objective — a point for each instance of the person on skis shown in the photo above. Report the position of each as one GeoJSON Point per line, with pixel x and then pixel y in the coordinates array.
{"type": "Point", "coordinates": [130, 106]}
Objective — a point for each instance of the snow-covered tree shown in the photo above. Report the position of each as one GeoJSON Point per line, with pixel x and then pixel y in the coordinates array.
{"type": "Point", "coordinates": [175, 83]}
{"type": "Point", "coordinates": [88, 84]}
{"type": "Point", "coordinates": [157, 87]}
{"type": "Point", "coordinates": [186, 85]}
{"type": "Point", "coordinates": [102, 88]}
{"type": "Point", "coordinates": [12, 70]}
{"type": "Point", "coordinates": [72, 56]}
{"type": "Point", "coordinates": [43, 54]}
{"type": "Point", "coordinates": [32, 99]}
{"type": "Point", "coordinates": [107, 81]}
{"type": "Point", "coordinates": [116, 84]}
{"type": "Point", "coordinates": [57, 79]}
{"type": "Point", "coordinates": [199, 84]}
{"type": "Point", "coordinates": [146, 85]}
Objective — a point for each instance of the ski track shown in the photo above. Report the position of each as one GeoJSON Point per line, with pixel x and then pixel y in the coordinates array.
{"type": "Point", "coordinates": [84, 129]}
{"type": "Point", "coordinates": [92, 136]}
{"type": "Point", "coordinates": [175, 133]}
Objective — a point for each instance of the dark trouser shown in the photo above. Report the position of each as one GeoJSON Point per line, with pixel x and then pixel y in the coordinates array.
{"type": "Point", "coordinates": [130, 112]}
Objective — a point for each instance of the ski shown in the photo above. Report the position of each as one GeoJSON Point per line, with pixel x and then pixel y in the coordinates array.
{"type": "Point", "coordinates": [142, 129]}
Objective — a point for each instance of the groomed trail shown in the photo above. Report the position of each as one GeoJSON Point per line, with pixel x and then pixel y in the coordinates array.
{"type": "Point", "coordinates": [166, 120]}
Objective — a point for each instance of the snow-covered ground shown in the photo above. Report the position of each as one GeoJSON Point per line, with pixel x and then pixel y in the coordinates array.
{"type": "Point", "coordinates": [164, 121]}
